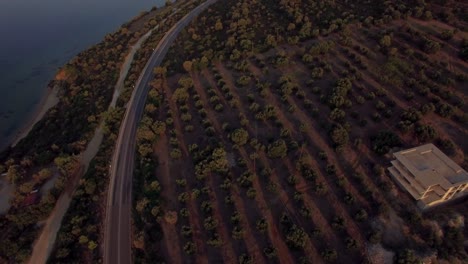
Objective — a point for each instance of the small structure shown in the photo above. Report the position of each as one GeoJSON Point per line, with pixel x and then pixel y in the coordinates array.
{"type": "Point", "coordinates": [429, 175]}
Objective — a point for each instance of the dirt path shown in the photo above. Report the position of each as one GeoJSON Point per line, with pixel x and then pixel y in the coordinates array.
{"type": "Point", "coordinates": [171, 241]}
{"type": "Point", "coordinates": [252, 246]}
{"type": "Point", "coordinates": [319, 142]}
{"type": "Point", "coordinates": [171, 237]}
{"type": "Point", "coordinates": [286, 203]}
{"type": "Point", "coordinates": [277, 241]}
{"type": "Point", "coordinates": [161, 151]}
{"type": "Point", "coordinates": [204, 98]}
{"type": "Point", "coordinates": [45, 243]}
{"type": "Point", "coordinates": [317, 139]}
{"type": "Point", "coordinates": [227, 250]}
{"type": "Point", "coordinates": [126, 67]}
{"type": "Point", "coordinates": [250, 242]}
{"type": "Point", "coordinates": [284, 254]}
{"type": "Point", "coordinates": [201, 256]}
{"type": "Point", "coordinates": [175, 110]}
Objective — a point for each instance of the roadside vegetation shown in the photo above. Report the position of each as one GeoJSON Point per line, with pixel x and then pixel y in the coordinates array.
{"type": "Point", "coordinates": [268, 130]}
{"type": "Point", "coordinates": [52, 149]}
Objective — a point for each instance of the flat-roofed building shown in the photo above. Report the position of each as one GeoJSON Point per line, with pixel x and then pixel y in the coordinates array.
{"type": "Point", "coordinates": [428, 175]}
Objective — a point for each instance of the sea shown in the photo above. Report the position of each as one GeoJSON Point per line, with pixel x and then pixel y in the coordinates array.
{"type": "Point", "coordinates": [39, 36]}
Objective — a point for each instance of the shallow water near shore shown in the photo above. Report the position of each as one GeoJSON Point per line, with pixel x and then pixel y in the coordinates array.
{"type": "Point", "coordinates": [40, 36]}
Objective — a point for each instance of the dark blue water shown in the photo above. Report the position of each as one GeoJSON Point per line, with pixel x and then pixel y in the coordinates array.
{"type": "Point", "coordinates": [39, 36]}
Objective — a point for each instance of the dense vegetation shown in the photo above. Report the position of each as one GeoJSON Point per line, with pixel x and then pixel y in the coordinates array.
{"type": "Point", "coordinates": [268, 130]}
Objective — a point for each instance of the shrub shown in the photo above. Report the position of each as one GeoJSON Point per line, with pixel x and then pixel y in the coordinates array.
{"type": "Point", "coordinates": [186, 231]}
{"type": "Point", "coordinates": [270, 252]}
{"type": "Point", "coordinates": [210, 223]}
{"type": "Point", "coordinates": [190, 248]}
{"type": "Point", "coordinates": [239, 136]}
{"type": "Point", "coordinates": [446, 145]}
{"type": "Point", "coordinates": [406, 257]}
{"type": "Point", "coordinates": [277, 149]}
{"type": "Point", "coordinates": [444, 110]}
{"type": "Point", "coordinates": [339, 136]}
{"type": "Point", "coordinates": [384, 141]}
{"type": "Point", "coordinates": [425, 132]}
{"type": "Point", "coordinates": [296, 237]}
{"type": "Point", "coordinates": [329, 255]}
{"type": "Point", "coordinates": [251, 193]}
{"type": "Point", "coordinates": [431, 46]}
{"type": "Point", "coordinates": [238, 233]}
{"type": "Point", "coordinates": [245, 259]}
{"type": "Point", "coordinates": [176, 153]}
{"type": "Point", "coordinates": [262, 225]}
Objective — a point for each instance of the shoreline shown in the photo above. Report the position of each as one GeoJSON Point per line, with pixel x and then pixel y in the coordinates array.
{"type": "Point", "coordinates": [48, 100]}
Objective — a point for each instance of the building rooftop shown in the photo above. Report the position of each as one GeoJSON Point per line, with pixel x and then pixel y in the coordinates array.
{"type": "Point", "coordinates": [430, 166]}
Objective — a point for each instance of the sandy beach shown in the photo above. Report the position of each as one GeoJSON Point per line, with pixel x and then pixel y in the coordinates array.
{"type": "Point", "coordinates": [47, 101]}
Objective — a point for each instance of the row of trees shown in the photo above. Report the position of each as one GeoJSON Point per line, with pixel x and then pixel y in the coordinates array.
{"type": "Point", "coordinates": [351, 92]}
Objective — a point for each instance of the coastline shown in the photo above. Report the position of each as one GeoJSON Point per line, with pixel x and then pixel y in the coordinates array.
{"type": "Point", "coordinates": [48, 100]}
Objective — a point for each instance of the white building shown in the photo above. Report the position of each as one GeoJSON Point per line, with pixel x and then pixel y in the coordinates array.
{"type": "Point", "coordinates": [429, 175]}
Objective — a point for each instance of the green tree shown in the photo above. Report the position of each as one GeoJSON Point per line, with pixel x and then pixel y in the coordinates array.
{"type": "Point", "coordinates": [277, 149]}
{"type": "Point", "coordinates": [425, 132]}
{"type": "Point", "coordinates": [406, 257]}
{"type": "Point", "coordinates": [190, 248]}
{"type": "Point", "coordinates": [92, 245]}
{"type": "Point", "coordinates": [210, 223]}
{"type": "Point", "coordinates": [218, 25]}
{"type": "Point", "coordinates": [14, 174]}
{"type": "Point", "coordinates": [187, 65]}
{"type": "Point", "coordinates": [385, 41]}
{"type": "Point", "coordinates": [83, 240]}
{"type": "Point", "coordinates": [180, 95]}
{"type": "Point", "coordinates": [384, 141]}
{"type": "Point", "coordinates": [339, 136]}
{"type": "Point", "coordinates": [296, 237]}
{"type": "Point", "coordinates": [239, 136]}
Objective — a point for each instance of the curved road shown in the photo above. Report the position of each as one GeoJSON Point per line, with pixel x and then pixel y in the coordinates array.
{"type": "Point", "coordinates": [117, 236]}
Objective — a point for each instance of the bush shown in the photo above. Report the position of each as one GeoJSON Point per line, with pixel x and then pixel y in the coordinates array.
{"type": "Point", "coordinates": [296, 237]}
{"type": "Point", "coordinates": [262, 225]}
{"type": "Point", "coordinates": [447, 146]}
{"type": "Point", "coordinates": [210, 223]}
{"type": "Point", "coordinates": [339, 136]}
{"type": "Point", "coordinates": [270, 252]}
{"type": "Point", "coordinates": [239, 136]}
{"type": "Point", "coordinates": [190, 248]}
{"type": "Point", "coordinates": [384, 141]}
{"type": "Point", "coordinates": [431, 46]}
{"type": "Point", "coordinates": [444, 110]}
{"type": "Point", "coordinates": [277, 149]}
{"type": "Point", "coordinates": [425, 132]}
{"type": "Point", "coordinates": [329, 255]}
{"type": "Point", "coordinates": [176, 153]}
{"type": "Point", "coordinates": [406, 257]}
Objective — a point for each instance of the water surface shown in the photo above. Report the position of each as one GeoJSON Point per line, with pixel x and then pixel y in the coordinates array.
{"type": "Point", "coordinates": [38, 36]}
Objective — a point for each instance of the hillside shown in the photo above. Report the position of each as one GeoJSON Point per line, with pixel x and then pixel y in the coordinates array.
{"type": "Point", "coordinates": [267, 133]}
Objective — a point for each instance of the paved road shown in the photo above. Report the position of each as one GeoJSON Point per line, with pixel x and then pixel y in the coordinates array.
{"type": "Point", "coordinates": [117, 237]}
